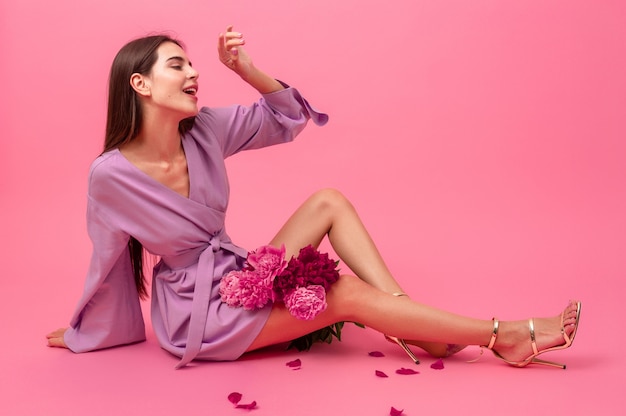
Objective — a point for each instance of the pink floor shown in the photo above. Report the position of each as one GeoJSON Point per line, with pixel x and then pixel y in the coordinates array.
{"type": "Point", "coordinates": [482, 143]}
{"type": "Point", "coordinates": [336, 379]}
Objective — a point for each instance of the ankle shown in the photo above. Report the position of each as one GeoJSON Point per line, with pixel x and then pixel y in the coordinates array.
{"type": "Point", "coordinates": [510, 335]}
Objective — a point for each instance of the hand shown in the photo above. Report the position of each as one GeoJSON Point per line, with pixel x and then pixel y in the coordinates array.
{"type": "Point", "coordinates": [231, 53]}
{"type": "Point", "coordinates": [55, 338]}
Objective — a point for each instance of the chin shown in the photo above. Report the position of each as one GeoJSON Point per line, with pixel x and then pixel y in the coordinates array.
{"type": "Point", "coordinates": [190, 113]}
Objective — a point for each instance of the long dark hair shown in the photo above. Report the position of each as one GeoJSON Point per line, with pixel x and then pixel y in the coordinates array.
{"type": "Point", "coordinates": [125, 117]}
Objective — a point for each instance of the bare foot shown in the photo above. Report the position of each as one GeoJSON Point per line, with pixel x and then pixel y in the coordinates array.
{"type": "Point", "coordinates": [514, 343]}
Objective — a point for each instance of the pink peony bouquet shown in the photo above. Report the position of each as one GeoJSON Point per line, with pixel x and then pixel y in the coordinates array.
{"type": "Point", "coordinates": [301, 283]}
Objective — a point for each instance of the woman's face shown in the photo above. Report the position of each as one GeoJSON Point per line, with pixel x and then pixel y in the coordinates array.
{"type": "Point", "coordinates": [172, 82]}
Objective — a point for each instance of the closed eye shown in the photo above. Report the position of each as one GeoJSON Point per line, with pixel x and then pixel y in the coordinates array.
{"type": "Point", "coordinates": [177, 62]}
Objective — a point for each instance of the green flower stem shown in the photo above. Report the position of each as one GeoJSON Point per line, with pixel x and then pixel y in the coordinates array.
{"type": "Point", "coordinates": [326, 334]}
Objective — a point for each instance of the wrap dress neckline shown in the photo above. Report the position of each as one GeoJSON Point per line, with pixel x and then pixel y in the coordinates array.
{"type": "Point", "coordinates": [188, 156]}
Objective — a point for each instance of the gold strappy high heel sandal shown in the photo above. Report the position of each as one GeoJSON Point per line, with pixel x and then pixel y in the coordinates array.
{"type": "Point", "coordinates": [532, 359]}
{"type": "Point", "coordinates": [401, 343]}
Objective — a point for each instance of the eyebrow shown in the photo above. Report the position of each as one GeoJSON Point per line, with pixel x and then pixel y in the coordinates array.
{"type": "Point", "coordinates": [177, 58]}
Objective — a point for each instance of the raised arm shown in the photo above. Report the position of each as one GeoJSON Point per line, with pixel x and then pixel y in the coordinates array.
{"type": "Point", "coordinates": [233, 55]}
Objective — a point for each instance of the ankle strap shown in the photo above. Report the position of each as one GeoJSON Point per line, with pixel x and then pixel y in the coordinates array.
{"type": "Point", "coordinates": [494, 333]}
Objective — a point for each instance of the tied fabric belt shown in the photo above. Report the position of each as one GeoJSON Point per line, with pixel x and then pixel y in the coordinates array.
{"type": "Point", "coordinates": [202, 293]}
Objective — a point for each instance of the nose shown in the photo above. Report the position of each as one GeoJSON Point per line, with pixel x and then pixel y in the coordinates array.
{"type": "Point", "coordinates": [193, 74]}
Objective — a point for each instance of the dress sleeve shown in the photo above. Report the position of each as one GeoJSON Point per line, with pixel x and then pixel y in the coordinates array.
{"type": "Point", "coordinates": [277, 117]}
{"type": "Point", "coordinates": [109, 312]}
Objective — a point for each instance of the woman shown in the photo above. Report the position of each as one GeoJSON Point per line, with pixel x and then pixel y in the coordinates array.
{"type": "Point", "coordinates": [161, 184]}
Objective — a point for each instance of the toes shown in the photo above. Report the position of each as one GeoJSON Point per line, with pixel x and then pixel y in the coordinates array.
{"type": "Point", "coordinates": [571, 311]}
{"type": "Point", "coordinates": [570, 318]}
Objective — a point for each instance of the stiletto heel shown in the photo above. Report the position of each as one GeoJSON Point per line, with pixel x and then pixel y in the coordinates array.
{"type": "Point", "coordinates": [532, 358]}
{"type": "Point", "coordinates": [399, 341]}
{"type": "Point", "coordinates": [404, 346]}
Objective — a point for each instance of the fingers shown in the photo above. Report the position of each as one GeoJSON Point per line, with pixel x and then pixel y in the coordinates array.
{"type": "Point", "coordinates": [57, 333]}
{"type": "Point", "coordinates": [56, 343]}
{"type": "Point", "coordinates": [55, 338]}
{"type": "Point", "coordinates": [229, 41]}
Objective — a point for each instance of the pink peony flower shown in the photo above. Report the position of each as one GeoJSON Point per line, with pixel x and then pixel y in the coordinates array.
{"type": "Point", "coordinates": [229, 288]}
{"type": "Point", "coordinates": [306, 302]}
{"type": "Point", "coordinates": [268, 260]}
{"type": "Point", "coordinates": [246, 288]}
{"type": "Point", "coordinates": [255, 290]}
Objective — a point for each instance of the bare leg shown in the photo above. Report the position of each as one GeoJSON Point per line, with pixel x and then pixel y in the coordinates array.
{"type": "Point", "coordinates": [328, 212]}
{"type": "Point", "coordinates": [351, 299]}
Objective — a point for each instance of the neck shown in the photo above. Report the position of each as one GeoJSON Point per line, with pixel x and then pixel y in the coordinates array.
{"type": "Point", "coordinates": [159, 138]}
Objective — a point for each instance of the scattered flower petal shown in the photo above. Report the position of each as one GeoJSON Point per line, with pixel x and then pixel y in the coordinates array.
{"type": "Point", "coordinates": [437, 365]}
{"type": "Point", "coordinates": [375, 354]}
{"type": "Point", "coordinates": [381, 374]}
{"type": "Point", "coordinates": [295, 364]}
{"type": "Point", "coordinates": [395, 412]}
{"type": "Point", "coordinates": [248, 406]}
{"type": "Point", "coordinates": [406, 371]}
{"type": "Point", "coordinates": [234, 397]}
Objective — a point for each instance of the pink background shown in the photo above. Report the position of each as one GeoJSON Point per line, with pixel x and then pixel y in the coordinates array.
{"type": "Point", "coordinates": [481, 141]}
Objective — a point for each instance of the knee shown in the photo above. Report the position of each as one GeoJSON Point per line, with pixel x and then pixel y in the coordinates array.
{"type": "Point", "coordinates": [330, 199]}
